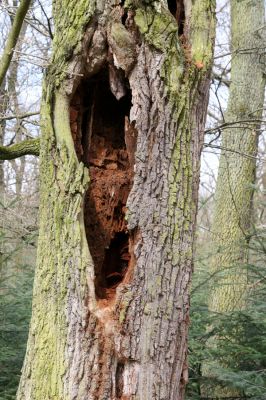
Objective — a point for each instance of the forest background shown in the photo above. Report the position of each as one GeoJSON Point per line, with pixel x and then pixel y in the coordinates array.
{"type": "Point", "coordinates": [242, 345]}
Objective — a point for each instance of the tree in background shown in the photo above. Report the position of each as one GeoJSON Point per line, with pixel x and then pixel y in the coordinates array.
{"type": "Point", "coordinates": [232, 221]}
{"type": "Point", "coordinates": [19, 105]}
{"type": "Point", "coordinates": [124, 98]}
{"type": "Point", "coordinates": [16, 275]}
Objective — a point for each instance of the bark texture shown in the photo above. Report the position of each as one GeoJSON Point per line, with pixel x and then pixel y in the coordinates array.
{"type": "Point", "coordinates": [110, 306]}
{"type": "Point", "coordinates": [237, 168]}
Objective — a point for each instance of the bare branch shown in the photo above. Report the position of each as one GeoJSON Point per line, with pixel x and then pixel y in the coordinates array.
{"type": "Point", "coordinates": [220, 78]}
{"type": "Point", "coordinates": [226, 149]}
{"type": "Point", "coordinates": [227, 125]}
{"type": "Point", "coordinates": [21, 116]}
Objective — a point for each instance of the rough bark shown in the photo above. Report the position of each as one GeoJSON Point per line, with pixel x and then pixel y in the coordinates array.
{"type": "Point", "coordinates": [125, 100]}
{"type": "Point", "coordinates": [232, 220]}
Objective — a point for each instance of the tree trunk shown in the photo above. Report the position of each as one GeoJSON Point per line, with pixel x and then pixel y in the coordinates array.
{"type": "Point", "coordinates": [12, 82]}
{"type": "Point", "coordinates": [3, 107]}
{"type": "Point", "coordinates": [236, 177]}
{"type": "Point", "coordinates": [124, 108]}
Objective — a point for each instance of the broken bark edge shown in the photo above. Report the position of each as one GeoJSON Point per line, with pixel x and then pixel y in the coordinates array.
{"type": "Point", "coordinates": [27, 147]}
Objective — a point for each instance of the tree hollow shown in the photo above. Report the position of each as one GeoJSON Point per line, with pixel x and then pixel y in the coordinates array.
{"type": "Point", "coordinates": [105, 142]}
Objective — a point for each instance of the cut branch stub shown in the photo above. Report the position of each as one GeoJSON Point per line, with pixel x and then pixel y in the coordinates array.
{"type": "Point", "coordinates": [105, 142]}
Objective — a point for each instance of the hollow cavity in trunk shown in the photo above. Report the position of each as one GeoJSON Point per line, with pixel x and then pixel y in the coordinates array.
{"type": "Point", "coordinates": [105, 142]}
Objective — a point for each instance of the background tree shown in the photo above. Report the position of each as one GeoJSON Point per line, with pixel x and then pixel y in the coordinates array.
{"type": "Point", "coordinates": [20, 98]}
{"type": "Point", "coordinates": [232, 227]}
{"type": "Point", "coordinates": [237, 166]}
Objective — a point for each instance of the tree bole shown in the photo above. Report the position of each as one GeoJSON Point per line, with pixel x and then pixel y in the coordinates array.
{"type": "Point", "coordinates": [110, 305]}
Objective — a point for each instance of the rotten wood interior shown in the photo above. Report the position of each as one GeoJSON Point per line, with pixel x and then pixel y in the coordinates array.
{"type": "Point", "coordinates": [105, 142]}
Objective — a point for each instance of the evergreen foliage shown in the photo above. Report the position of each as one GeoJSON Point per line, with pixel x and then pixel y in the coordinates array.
{"type": "Point", "coordinates": [16, 277]}
{"type": "Point", "coordinates": [239, 361]}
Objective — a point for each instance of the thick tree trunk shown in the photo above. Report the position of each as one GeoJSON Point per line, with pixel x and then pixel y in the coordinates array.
{"type": "Point", "coordinates": [125, 100]}
{"type": "Point", "coordinates": [236, 177]}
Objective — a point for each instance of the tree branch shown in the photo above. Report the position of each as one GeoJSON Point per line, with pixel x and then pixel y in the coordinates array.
{"type": "Point", "coordinates": [27, 147]}
{"type": "Point", "coordinates": [234, 151]}
{"type": "Point", "coordinates": [228, 125]}
{"type": "Point", "coordinates": [20, 116]}
{"type": "Point", "coordinates": [13, 38]}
